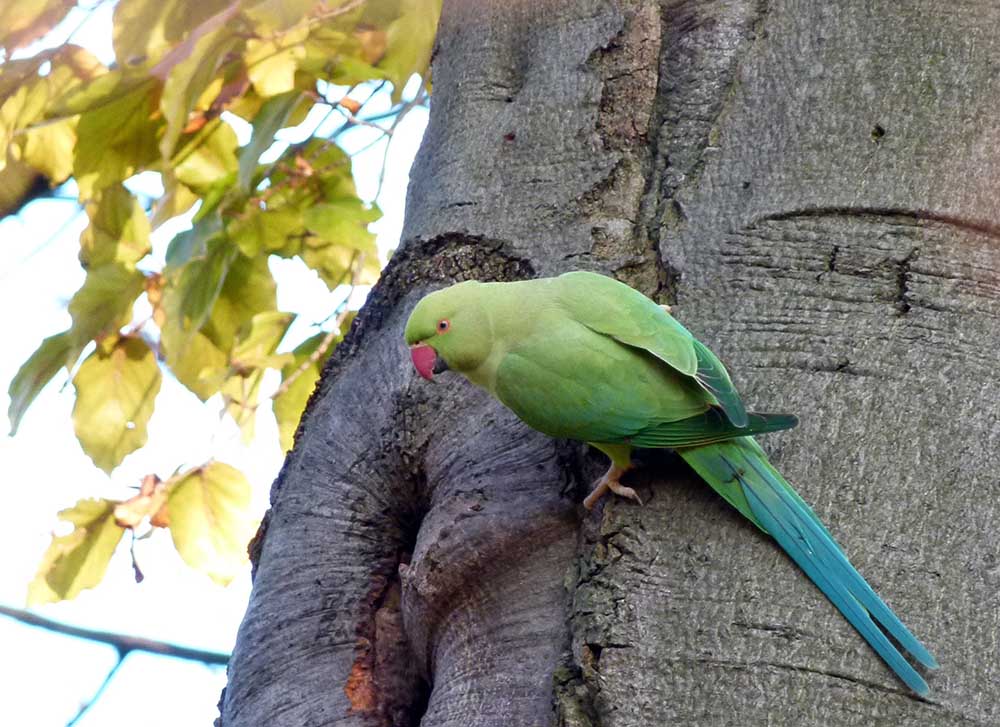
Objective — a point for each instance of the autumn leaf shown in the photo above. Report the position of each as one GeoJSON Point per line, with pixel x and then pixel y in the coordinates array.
{"type": "Point", "coordinates": [209, 519]}
{"type": "Point", "coordinates": [150, 502]}
{"type": "Point", "coordinates": [298, 379]}
{"type": "Point", "coordinates": [79, 560]}
{"type": "Point", "coordinates": [115, 389]}
{"type": "Point", "coordinates": [24, 21]}
{"type": "Point", "coordinates": [54, 353]}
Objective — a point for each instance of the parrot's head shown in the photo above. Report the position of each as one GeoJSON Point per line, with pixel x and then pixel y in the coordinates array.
{"type": "Point", "coordinates": [450, 329]}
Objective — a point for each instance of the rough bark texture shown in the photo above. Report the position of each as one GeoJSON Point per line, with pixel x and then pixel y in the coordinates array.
{"type": "Point", "coordinates": [813, 186]}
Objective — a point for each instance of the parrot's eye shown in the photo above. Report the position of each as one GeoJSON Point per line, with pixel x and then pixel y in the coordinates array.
{"type": "Point", "coordinates": [443, 325]}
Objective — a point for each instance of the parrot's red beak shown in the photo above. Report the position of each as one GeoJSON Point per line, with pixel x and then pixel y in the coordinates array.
{"type": "Point", "coordinates": [424, 360]}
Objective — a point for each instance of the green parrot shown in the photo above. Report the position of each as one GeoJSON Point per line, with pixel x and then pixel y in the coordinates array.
{"type": "Point", "coordinates": [583, 356]}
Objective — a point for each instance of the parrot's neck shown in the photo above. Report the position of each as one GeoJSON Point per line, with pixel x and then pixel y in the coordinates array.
{"type": "Point", "coordinates": [512, 320]}
{"type": "Point", "coordinates": [485, 375]}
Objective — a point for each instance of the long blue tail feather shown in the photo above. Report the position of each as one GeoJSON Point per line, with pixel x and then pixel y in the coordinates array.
{"type": "Point", "coordinates": [779, 511]}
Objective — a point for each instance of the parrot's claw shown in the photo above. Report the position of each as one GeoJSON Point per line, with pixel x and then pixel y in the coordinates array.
{"type": "Point", "coordinates": [610, 482]}
{"type": "Point", "coordinates": [624, 491]}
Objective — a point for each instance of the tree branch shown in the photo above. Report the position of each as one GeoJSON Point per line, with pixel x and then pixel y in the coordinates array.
{"type": "Point", "coordinates": [123, 643]}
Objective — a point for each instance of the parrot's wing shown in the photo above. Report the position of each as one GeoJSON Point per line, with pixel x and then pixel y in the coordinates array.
{"type": "Point", "coordinates": [614, 309]}
{"type": "Point", "coordinates": [576, 383]}
{"type": "Point", "coordinates": [712, 426]}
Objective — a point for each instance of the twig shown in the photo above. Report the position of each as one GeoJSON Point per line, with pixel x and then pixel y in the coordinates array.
{"type": "Point", "coordinates": [122, 642]}
{"type": "Point", "coordinates": [57, 235]}
{"type": "Point", "coordinates": [100, 690]}
{"type": "Point", "coordinates": [357, 263]}
{"type": "Point", "coordinates": [406, 108]}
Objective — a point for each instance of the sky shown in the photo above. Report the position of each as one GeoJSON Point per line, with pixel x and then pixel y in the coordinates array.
{"type": "Point", "coordinates": [44, 677]}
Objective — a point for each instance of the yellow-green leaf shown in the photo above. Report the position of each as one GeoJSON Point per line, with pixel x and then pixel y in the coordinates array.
{"type": "Point", "coordinates": [79, 560]}
{"type": "Point", "coordinates": [258, 339]}
{"type": "Point", "coordinates": [49, 149]}
{"type": "Point", "coordinates": [117, 138]}
{"type": "Point", "coordinates": [290, 403]}
{"type": "Point", "coordinates": [270, 17]}
{"type": "Point", "coordinates": [256, 230]}
{"type": "Point", "coordinates": [104, 303]}
{"type": "Point", "coordinates": [272, 116]}
{"type": "Point", "coordinates": [115, 389]}
{"type": "Point", "coordinates": [210, 522]}
{"type": "Point", "coordinates": [193, 359]}
{"type": "Point", "coordinates": [333, 262]}
{"type": "Point", "coordinates": [343, 221]}
{"type": "Point", "coordinates": [240, 394]}
{"type": "Point", "coordinates": [208, 158]}
{"type": "Point", "coordinates": [200, 283]}
{"type": "Point", "coordinates": [24, 21]}
{"type": "Point", "coordinates": [409, 42]}
{"type": "Point", "coordinates": [143, 30]}
{"type": "Point", "coordinates": [271, 64]}
{"type": "Point", "coordinates": [249, 289]}
{"type": "Point", "coordinates": [118, 230]}
{"type": "Point", "coordinates": [186, 80]}
{"type": "Point", "coordinates": [54, 353]}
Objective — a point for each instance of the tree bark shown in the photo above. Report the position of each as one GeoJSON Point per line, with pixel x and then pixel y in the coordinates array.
{"type": "Point", "coordinates": [813, 187]}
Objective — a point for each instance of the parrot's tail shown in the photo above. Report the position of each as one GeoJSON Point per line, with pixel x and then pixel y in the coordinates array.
{"type": "Point", "coordinates": [739, 471]}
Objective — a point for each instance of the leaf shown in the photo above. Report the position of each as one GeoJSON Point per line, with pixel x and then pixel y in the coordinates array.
{"type": "Point", "coordinates": [201, 282]}
{"type": "Point", "coordinates": [143, 30]}
{"type": "Point", "coordinates": [189, 68]}
{"type": "Point", "coordinates": [254, 349]}
{"type": "Point", "coordinates": [21, 108]}
{"type": "Point", "coordinates": [118, 230]}
{"type": "Point", "coordinates": [270, 17]}
{"type": "Point", "coordinates": [272, 116]}
{"type": "Point", "coordinates": [373, 42]}
{"type": "Point", "coordinates": [147, 503]}
{"type": "Point", "coordinates": [240, 394]}
{"type": "Point", "coordinates": [249, 289]}
{"type": "Point", "coordinates": [176, 200]}
{"type": "Point", "coordinates": [265, 230]}
{"type": "Point", "coordinates": [104, 303]}
{"type": "Point", "coordinates": [24, 21]}
{"type": "Point", "coordinates": [49, 149]}
{"type": "Point", "coordinates": [79, 560]}
{"type": "Point", "coordinates": [46, 145]}
{"type": "Point", "coordinates": [193, 359]}
{"type": "Point", "coordinates": [116, 139]}
{"type": "Point", "coordinates": [18, 183]}
{"type": "Point", "coordinates": [333, 262]}
{"type": "Point", "coordinates": [343, 221]}
{"type": "Point", "coordinates": [186, 304]}
{"type": "Point", "coordinates": [54, 353]}
{"type": "Point", "coordinates": [209, 158]}
{"type": "Point", "coordinates": [271, 64]}
{"type": "Point", "coordinates": [200, 328]}
{"type": "Point", "coordinates": [193, 243]}
{"type": "Point", "coordinates": [409, 41]}
{"type": "Point", "coordinates": [291, 402]}
{"type": "Point", "coordinates": [210, 522]}
{"type": "Point", "coordinates": [115, 389]}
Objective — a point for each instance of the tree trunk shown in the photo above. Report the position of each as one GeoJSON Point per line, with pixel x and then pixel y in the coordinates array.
{"type": "Point", "coordinates": [814, 187]}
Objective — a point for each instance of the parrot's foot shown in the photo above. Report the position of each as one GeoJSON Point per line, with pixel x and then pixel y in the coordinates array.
{"type": "Point", "coordinates": [610, 482]}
